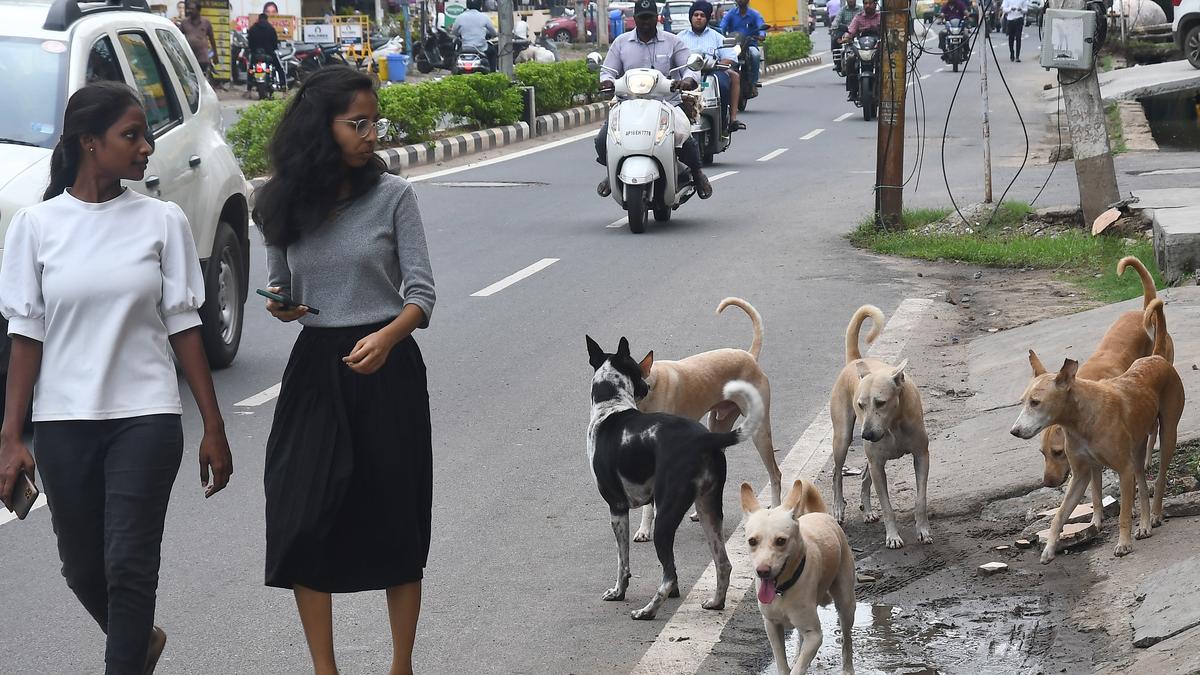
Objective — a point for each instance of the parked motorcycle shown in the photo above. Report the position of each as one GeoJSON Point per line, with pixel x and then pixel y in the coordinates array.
{"type": "Point", "coordinates": [644, 171]}
{"type": "Point", "coordinates": [862, 62]}
{"type": "Point", "coordinates": [956, 43]}
{"type": "Point", "coordinates": [312, 57]}
{"type": "Point", "coordinates": [435, 49]}
{"type": "Point", "coordinates": [237, 53]}
{"type": "Point", "coordinates": [468, 61]}
{"type": "Point", "coordinates": [710, 123]}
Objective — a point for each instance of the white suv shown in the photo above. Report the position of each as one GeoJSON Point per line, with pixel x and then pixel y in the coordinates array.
{"type": "Point", "coordinates": [1186, 26]}
{"type": "Point", "coordinates": [49, 49]}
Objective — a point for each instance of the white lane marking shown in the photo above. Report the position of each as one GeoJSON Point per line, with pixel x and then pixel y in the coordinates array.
{"type": "Point", "coordinates": [688, 638]}
{"type": "Point", "coordinates": [772, 155]}
{"type": "Point", "coordinates": [260, 398]}
{"type": "Point", "coordinates": [940, 70]}
{"type": "Point", "coordinates": [6, 515]}
{"type": "Point", "coordinates": [620, 222]}
{"type": "Point", "coordinates": [843, 117]}
{"type": "Point", "coordinates": [811, 135]}
{"type": "Point", "coordinates": [925, 77]}
{"type": "Point", "coordinates": [719, 176]}
{"type": "Point", "coordinates": [505, 158]}
{"type": "Point", "coordinates": [864, 172]}
{"type": "Point", "coordinates": [515, 277]}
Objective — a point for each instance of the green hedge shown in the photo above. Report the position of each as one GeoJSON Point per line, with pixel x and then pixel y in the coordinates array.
{"type": "Point", "coordinates": [557, 86]}
{"type": "Point", "coordinates": [782, 47]}
{"type": "Point", "coordinates": [251, 133]}
{"type": "Point", "coordinates": [482, 100]}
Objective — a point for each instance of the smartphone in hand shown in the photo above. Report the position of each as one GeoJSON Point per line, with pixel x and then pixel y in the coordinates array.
{"type": "Point", "coordinates": [24, 494]}
{"type": "Point", "coordinates": [284, 300]}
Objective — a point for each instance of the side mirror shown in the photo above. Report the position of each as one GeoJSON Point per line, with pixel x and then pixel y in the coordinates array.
{"type": "Point", "coordinates": [695, 61]}
{"type": "Point", "coordinates": [594, 61]}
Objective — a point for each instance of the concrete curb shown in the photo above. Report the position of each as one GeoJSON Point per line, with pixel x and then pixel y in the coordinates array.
{"type": "Point", "coordinates": [792, 65]}
{"type": "Point", "coordinates": [568, 119]}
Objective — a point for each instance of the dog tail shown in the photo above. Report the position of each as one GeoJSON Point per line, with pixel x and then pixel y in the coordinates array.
{"type": "Point", "coordinates": [856, 321]}
{"type": "Point", "coordinates": [1154, 314]}
{"type": "Point", "coordinates": [1148, 292]}
{"type": "Point", "coordinates": [750, 402]}
{"type": "Point", "coordinates": [755, 319]}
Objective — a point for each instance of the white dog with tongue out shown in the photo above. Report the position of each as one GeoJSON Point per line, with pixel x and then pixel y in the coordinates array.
{"type": "Point", "coordinates": [802, 559]}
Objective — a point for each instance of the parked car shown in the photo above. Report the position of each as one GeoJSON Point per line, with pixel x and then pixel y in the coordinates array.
{"type": "Point", "coordinates": [563, 29]}
{"type": "Point", "coordinates": [679, 13]}
{"type": "Point", "coordinates": [1034, 13]}
{"type": "Point", "coordinates": [1186, 27]}
{"type": "Point", "coordinates": [49, 49]}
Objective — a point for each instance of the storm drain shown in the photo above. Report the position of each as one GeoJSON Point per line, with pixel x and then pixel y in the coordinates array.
{"type": "Point", "coordinates": [489, 184]}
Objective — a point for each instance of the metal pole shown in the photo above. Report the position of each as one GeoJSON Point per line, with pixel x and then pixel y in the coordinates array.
{"type": "Point", "coordinates": [505, 43]}
{"type": "Point", "coordinates": [987, 127]}
{"type": "Point", "coordinates": [889, 171]}
{"type": "Point", "coordinates": [581, 22]}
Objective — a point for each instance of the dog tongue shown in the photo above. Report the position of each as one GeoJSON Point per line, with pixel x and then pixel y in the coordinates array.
{"type": "Point", "coordinates": [766, 591]}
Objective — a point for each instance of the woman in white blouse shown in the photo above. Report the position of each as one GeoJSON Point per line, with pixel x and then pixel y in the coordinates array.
{"type": "Point", "coordinates": [97, 281]}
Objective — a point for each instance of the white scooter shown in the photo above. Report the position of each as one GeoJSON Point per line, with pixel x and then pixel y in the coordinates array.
{"type": "Point", "coordinates": [644, 171]}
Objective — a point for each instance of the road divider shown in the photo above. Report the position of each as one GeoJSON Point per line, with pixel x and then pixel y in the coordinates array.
{"type": "Point", "coordinates": [514, 278]}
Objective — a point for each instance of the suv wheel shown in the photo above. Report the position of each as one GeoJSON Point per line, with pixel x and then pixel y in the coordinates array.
{"type": "Point", "coordinates": [1191, 46]}
{"type": "Point", "coordinates": [224, 305]}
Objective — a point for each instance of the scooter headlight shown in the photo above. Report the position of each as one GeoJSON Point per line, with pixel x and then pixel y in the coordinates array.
{"type": "Point", "coordinates": [664, 125]}
{"type": "Point", "coordinates": [640, 84]}
{"type": "Point", "coordinates": [866, 54]}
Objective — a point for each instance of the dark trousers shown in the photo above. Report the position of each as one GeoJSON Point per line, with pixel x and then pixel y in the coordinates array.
{"type": "Point", "coordinates": [689, 154]}
{"type": "Point", "coordinates": [1015, 27]}
{"type": "Point", "coordinates": [107, 484]}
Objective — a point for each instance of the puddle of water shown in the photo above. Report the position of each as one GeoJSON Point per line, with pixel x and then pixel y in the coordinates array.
{"type": "Point", "coordinates": [1174, 120]}
{"type": "Point", "coordinates": [980, 636]}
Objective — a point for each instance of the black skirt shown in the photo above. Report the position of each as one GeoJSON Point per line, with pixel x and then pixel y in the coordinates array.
{"type": "Point", "coordinates": [349, 468]}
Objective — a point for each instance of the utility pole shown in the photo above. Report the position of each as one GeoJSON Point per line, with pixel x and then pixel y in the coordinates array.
{"type": "Point", "coordinates": [889, 163]}
{"type": "Point", "coordinates": [602, 37]}
{"type": "Point", "coordinates": [505, 44]}
{"type": "Point", "coordinates": [1094, 171]}
{"type": "Point", "coordinates": [581, 21]}
{"type": "Point", "coordinates": [987, 125]}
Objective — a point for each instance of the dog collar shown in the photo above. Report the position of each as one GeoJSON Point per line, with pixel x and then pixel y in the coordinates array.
{"type": "Point", "coordinates": [781, 588]}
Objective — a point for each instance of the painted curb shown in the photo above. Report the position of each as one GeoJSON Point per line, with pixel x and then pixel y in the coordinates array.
{"type": "Point", "coordinates": [792, 65]}
{"type": "Point", "coordinates": [568, 119]}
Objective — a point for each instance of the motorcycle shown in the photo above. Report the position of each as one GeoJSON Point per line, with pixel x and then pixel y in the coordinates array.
{"type": "Point", "coordinates": [644, 171]}
{"type": "Point", "coordinates": [742, 49]}
{"type": "Point", "coordinates": [237, 49]}
{"type": "Point", "coordinates": [862, 62]}
{"type": "Point", "coordinates": [956, 43]}
{"type": "Point", "coordinates": [710, 124]}
{"type": "Point", "coordinates": [262, 74]}
{"type": "Point", "coordinates": [837, 50]}
{"type": "Point", "coordinates": [435, 49]}
{"type": "Point", "coordinates": [469, 61]}
{"type": "Point", "coordinates": [312, 57]}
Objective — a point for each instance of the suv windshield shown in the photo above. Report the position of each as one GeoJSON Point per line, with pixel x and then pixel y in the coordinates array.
{"type": "Point", "coordinates": [36, 69]}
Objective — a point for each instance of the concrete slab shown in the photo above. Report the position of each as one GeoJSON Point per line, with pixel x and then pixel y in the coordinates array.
{"type": "Point", "coordinates": [1166, 198]}
{"type": "Point", "coordinates": [1177, 241]}
{"type": "Point", "coordinates": [1175, 656]}
{"type": "Point", "coordinates": [1142, 81]}
{"type": "Point", "coordinates": [1171, 604]}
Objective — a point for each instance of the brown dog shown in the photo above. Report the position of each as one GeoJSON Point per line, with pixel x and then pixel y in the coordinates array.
{"type": "Point", "coordinates": [693, 387]}
{"type": "Point", "coordinates": [1106, 424]}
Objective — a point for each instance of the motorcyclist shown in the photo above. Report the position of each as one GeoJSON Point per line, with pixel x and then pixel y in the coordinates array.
{"type": "Point", "coordinates": [951, 9]}
{"type": "Point", "coordinates": [750, 23]}
{"type": "Point", "coordinates": [261, 37]}
{"type": "Point", "coordinates": [647, 46]}
{"type": "Point", "coordinates": [473, 28]}
{"type": "Point", "coordinates": [841, 21]}
{"type": "Point", "coordinates": [866, 21]}
{"type": "Point", "coordinates": [703, 39]}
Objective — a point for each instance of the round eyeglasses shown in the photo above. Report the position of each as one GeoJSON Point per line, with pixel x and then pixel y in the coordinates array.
{"type": "Point", "coordinates": [363, 127]}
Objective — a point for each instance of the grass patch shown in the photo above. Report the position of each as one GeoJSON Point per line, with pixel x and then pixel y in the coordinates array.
{"type": "Point", "coordinates": [1116, 132]}
{"type": "Point", "coordinates": [1185, 464]}
{"type": "Point", "coordinates": [1106, 63]}
{"type": "Point", "coordinates": [1077, 254]}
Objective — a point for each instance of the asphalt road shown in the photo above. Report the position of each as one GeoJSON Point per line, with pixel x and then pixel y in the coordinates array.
{"type": "Point", "coordinates": [522, 547]}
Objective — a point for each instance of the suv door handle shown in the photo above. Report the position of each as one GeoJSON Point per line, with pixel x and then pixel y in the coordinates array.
{"type": "Point", "coordinates": [194, 161]}
{"type": "Point", "coordinates": [152, 182]}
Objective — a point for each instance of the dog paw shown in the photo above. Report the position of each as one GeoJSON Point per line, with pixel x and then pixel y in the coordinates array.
{"type": "Point", "coordinates": [894, 541]}
{"type": "Point", "coordinates": [1142, 532]}
{"type": "Point", "coordinates": [674, 592]}
{"type": "Point", "coordinates": [926, 537]}
{"type": "Point", "coordinates": [839, 514]}
{"type": "Point", "coordinates": [871, 516]}
{"type": "Point", "coordinates": [1156, 520]}
{"type": "Point", "coordinates": [1097, 523]}
{"type": "Point", "coordinates": [1122, 550]}
{"type": "Point", "coordinates": [642, 614]}
{"type": "Point", "coordinates": [614, 594]}
{"type": "Point", "coordinates": [1047, 555]}
{"type": "Point", "coordinates": [641, 535]}
{"type": "Point", "coordinates": [713, 603]}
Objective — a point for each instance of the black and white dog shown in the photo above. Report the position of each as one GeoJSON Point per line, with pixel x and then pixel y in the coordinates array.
{"type": "Point", "coordinates": [673, 461]}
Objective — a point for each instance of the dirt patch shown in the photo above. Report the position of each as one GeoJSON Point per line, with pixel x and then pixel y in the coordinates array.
{"type": "Point", "coordinates": [1184, 473]}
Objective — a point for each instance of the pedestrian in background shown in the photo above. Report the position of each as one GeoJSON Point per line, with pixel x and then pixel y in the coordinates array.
{"type": "Point", "coordinates": [349, 461]}
{"type": "Point", "coordinates": [1014, 17]}
{"type": "Point", "coordinates": [97, 281]}
{"type": "Point", "coordinates": [199, 34]}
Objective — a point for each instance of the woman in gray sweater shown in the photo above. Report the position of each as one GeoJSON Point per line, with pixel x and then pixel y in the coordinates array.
{"type": "Point", "coordinates": [349, 465]}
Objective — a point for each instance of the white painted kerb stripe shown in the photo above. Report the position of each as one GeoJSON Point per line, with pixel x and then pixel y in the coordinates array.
{"type": "Point", "coordinates": [690, 635]}
{"type": "Point", "coordinates": [260, 398]}
{"type": "Point", "coordinates": [772, 155]}
{"type": "Point", "coordinates": [811, 135]}
{"type": "Point", "coordinates": [6, 515]}
{"type": "Point", "coordinates": [515, 277]}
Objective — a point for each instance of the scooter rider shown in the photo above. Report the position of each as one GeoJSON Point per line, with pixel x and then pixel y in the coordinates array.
{"type": "Point", "coordinates": [702, 39]}
{"type": "Point", "coordinates": [951, 9]}
{"type": "Point", "coordinates": [650, 47]}
{"type": "Point", "coordinates": [750, 23]}
{"type": "Point", "coordinates": [473, 28]}
{"type": "Point", "coordinates": [866, 21]}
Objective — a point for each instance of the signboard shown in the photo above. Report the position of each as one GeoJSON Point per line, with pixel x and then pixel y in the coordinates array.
{"type": "Point", "coordinates": [217, 13]}
{"type": "Point", "coordinates": [319, 33]}
{"type": "Point", "coordinates": [285, 26]}
{"type": "Point", "coordinates": [350, 34]}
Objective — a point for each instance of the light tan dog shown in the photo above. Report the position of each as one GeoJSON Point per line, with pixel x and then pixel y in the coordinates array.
{"type": "Point", "coordinates": [802, 560]}
{"type": "Point", "coordinates": [893, 425]}
{"type": "Point", "coordinates": [1107, 424]}
{"type": "Point", "coordinates": [693, 387]}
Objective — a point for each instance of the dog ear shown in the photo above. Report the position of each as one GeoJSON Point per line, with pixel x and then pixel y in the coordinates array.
{"type": "Point", "coordinates": [596, 355]}
{"type": "Point", "coordinates": [1066, 375]}
{"type": "Point", "coordinates": [749, 499]}
{"type": "Point", "coordinates": [862, 368]}
{"type": "Point", "coordinates": [795, 497]}
{"type": "Point", "coordinates": [898, 373]}
{"type": "Point", "coordinates": [646, 364]}
{"type": "Point", "coordinates": [1036, 363]}
{"type": "Point", "coordinates": [623, 347]}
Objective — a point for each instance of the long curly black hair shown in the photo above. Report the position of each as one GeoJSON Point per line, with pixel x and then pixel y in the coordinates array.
{"type": "Point", "coordinates": [307, 171]}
